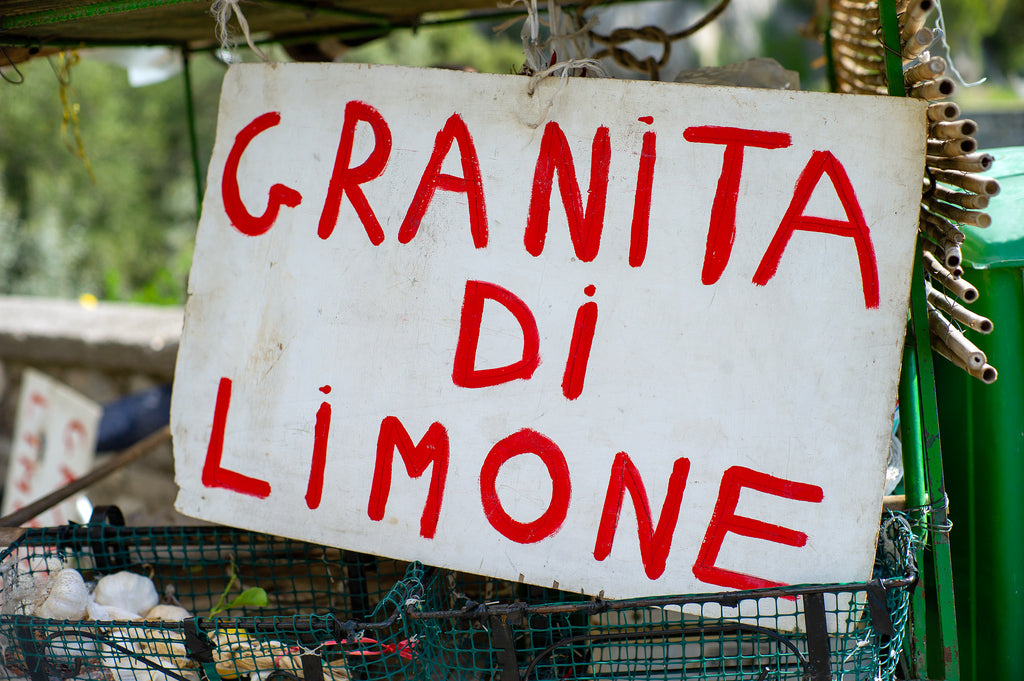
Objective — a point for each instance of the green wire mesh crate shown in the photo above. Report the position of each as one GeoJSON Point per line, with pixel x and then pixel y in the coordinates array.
{"type": "Point", "coordinates": [473, 628]}
{"type": "Point", "coordinates": [324, 614]}
{"type": "Point", "coordinates": [332, 615]}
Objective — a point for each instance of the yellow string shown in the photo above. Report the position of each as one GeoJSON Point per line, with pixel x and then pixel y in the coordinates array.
{"type": "Point", "coordinates": [65, 61]}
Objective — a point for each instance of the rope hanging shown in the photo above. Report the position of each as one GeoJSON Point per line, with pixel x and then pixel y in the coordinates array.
{"type": "Point", "coordinates": [653, 34]}
{"type": "Point", "coordinates": [221, 10]}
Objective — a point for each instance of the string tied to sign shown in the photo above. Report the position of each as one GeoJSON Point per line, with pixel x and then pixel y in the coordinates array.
{"type": "Point", "coordinates": [562, 54]}
{"type": "Point", "coordinates": [222, 11]}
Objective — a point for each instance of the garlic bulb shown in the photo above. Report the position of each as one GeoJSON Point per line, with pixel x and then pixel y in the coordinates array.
{"type": "Point", "coordinates": [126, 590]}
{"type": "Point", "coordinates": [67, 597]}
{"type": "Point", "coordinates": [167, 613]}
{"type": "Point", "coordinates": [110, 613]}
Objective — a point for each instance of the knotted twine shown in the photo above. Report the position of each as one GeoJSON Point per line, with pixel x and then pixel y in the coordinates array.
{"type": "Point", "coordinates": [221, 10]}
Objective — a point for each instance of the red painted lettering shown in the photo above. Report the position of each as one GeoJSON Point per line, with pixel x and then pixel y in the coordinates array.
{"type": "Point", "coordinates": [642, 200]}
{"type": "Point", "coordinates": [584, 226]}
{"type": "Point", "coordinates": [321, 431]}
{"type": "Point", "coordinates": [854, 227]}
{"type": "Point", "coordinates": [655, 542]}
{"type": "Point", "coordinates": [279, 195]}
{"type": "Point", "coordinates": [74, 437]}
{"type": "Point", "coordinates": [725, 520]}
{"type": "Point", "coordinates": [465, 374]}
{"type": "Point", "coordinates": [431, 450]}
{"type": "Point", "coordinates": [214, 475]}
{"type": "Point", "coordinates": [722, 227]}
{"type": "Point", "coordinates": [471, 183]}
{"type": "Point", "coordinates": [67, 474]}
{"type": "Point", "coordinates": [579, 348]}
{"type": "Point", "coordinates": [347, 179]}
{"type": "Point", "coordinates": [526, 441]}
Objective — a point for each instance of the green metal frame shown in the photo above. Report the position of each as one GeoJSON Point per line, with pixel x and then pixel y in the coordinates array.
{"type": "Point", "coordinates": [931, 644]}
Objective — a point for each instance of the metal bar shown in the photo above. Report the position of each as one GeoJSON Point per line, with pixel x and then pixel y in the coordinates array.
{"type": "Point", "coordinates": [817, 638]}
{"type": "Point", "coordinates": [81, 11]}
{"type": "Point", "coordinates": [893, 55]}
{"type": "Point", "coordinates": [193, 138]}
{"type": "Point", "coordinates": [940, 577]}
{"type": "Point", "coordinates": [501, 632]}
{"type": "Point", "coordinates": [118, 461]}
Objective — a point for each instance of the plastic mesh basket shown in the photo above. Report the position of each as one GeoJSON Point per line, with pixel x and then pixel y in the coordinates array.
{"type": "Point", "coordinates": [328, 614]}
{"type": "Point", "coordinates": [471, 628]}
{"type": "Point", "coordinates": [332, 615]}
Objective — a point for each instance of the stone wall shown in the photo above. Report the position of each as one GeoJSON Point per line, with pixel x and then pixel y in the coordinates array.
{"type": "Point", "coordinates": [104, 351]}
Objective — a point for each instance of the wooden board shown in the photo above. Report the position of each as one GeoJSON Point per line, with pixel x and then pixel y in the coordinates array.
{"type": "Point", "coordinates": [395, 343]}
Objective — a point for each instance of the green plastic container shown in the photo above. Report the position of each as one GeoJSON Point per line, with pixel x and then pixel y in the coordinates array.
{"type": "Point", "coordinates": [982, 437]}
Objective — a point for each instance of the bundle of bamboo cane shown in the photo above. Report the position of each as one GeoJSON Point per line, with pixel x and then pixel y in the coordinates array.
{"type": "Point", "coordinates": [954, 194]}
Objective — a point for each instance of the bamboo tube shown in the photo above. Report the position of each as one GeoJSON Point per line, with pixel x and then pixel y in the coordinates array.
{"type": "Point", "coordinates": [917, 43]}
{"type": "Point", "coordinates": [940, 88]}
{"type": "Point", "coordinates": [944, 226]}
{"type": "Point", "coordinates": [970, 163]}
{"type": "Point", "coordinates": [926, 70]}
{"type": "Point", "coordinates": [945, 241]}
{"type": "Point", "coordinates": [866, 60]}
{"type": "Point", "coordinates": [856, 74]}
{"type": "Point", "coordinates": [861, 10]}
{"type": "Point", "coordinates": [962, 199]}
{"type": "Point", "coordinates": [951, 130]}
{"type": "Point", "coordinates": [954, 147]}
{"type": "Point", "coordinates": [857, 84]}
{"type": "Point", "coordinates": [964, 217]}
{"type": "Point", "coordinates": [986, 374]}
{"type": "Point", "coordinates": [946, 250]}
{"type": "Point", "coordinates": [866, 37]}
{"type": "Point", "coordinates": [961, 288]}
{"type": "Point", "coordinates": [857, 20]}
{"type": "Point", "coordinates": [943, 111]}
{"type": "Point", "coordinates": [913, 18]}
{"type": "Point", "coordinates": [864, 45]}
{"type": "Point", "coordinates": [944, 303]}
{"type": "Point", "coordinates": [979, 184]}
{"type": "Point", "coordinates": [954, 339]}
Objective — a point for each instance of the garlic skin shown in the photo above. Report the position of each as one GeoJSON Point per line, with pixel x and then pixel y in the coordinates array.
{"type": "Point", "coordinates": [167, 613]}
{"type": "Point", "coordinates": [127, 591]}
{"type": "Point", "coordinates": [110, 613]}
{"type": "Point", "coordinates": [67, 597]}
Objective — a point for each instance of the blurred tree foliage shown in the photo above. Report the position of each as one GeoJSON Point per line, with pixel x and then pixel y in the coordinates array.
{"type": "Point", "coordinates": [129, 235]}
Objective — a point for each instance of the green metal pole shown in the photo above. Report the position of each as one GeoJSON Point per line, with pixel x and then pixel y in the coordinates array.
{"type": "Point", "coordinates": [193, 139]}
{"type": "Point", "coordinates": [914, 482]}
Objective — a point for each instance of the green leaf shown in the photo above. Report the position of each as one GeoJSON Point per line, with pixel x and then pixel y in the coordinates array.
{"type": "Point", "coordinates": [253, 598]}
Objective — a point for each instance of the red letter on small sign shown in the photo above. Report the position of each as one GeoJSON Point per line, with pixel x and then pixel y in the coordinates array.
{"type": "Point", "coordinates": [855, 227]}
{"type": "Point", "coordinates": [722, 229]}
{"type": "Point", "coordinates": [655, 542]}
{"type": "Point", "coordinates": [348, 179]}
{"type": "Point", "coordinates": [432, 449]}
{"type": "Point", "coordinates": [724, 520]}
{"type": "Point", "coordinates": [471, 183]}
{"type": "Point", "coordinates": [213, 474]}
{"type": "Point", "coordinates": [526, 441]}
{"type": "Point", "coordinates": [279, 194]}
{"type": "Point", "coordinates": [584, 226]}
{"type": "Point", "coordinates": [465, 374]}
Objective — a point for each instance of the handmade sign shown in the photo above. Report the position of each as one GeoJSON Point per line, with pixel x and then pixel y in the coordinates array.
{"type": "Point", "coordinates": [630, 337]}
{"type": "Point", "coordinates": [53, 444]}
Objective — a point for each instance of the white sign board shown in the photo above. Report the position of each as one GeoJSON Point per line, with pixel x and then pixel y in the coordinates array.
{"type": "Point", "coordinates": [630, 337]}
{"type": "Point", "coordinates": [53, 444]}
